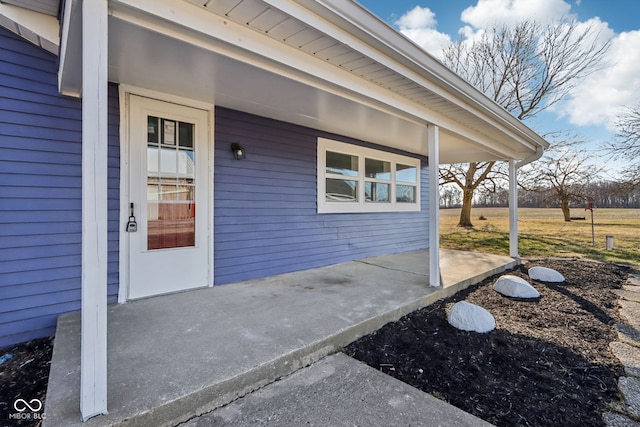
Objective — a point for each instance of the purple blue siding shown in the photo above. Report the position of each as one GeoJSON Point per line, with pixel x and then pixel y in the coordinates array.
{"type": "Point", "coordinates": [40, 193]}
{"type": "Point", "coordinates": [265, 207]}
{"type": "Point", "coordinates": [265, 217]}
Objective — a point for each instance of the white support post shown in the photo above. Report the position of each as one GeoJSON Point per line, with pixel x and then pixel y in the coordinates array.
{"type": "Point", "coordinates": [93, 363]}
{"type": "Point", "coordinates": [434, 206]}
{"type": "Point", "coordinates": [513, 209]}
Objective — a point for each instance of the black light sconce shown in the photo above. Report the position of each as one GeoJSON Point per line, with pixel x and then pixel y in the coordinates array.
{"type": "Point", "coordinates": [238, 151]}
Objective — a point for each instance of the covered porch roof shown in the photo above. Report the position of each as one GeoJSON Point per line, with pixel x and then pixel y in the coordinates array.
{"type": "Point", "coordinates": [325, 64]}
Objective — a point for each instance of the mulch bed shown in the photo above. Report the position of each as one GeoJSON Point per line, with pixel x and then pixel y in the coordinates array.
{"type": "Point", "coordinates": [547, 363]}
{"type": "Point", "coordinates": [24, 376]}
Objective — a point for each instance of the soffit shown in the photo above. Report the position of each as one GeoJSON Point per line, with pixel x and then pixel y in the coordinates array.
{"type": "Point", "coordinates": [48, 7]}
{"type": "Point", "coordinates": [281, 26]}
{"type": "Point", "coordinates": [34, 20]}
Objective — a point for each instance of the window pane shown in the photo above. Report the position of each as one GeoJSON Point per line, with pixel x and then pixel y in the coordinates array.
{"type": "Point", "coordinates": [377, 169]}
{"type": "Point", "coordinates": [405, 194]}
{"type": "Point", "coordinates": [376, 192]}
{"type": "Point", "coordinates": [342, 164]}
{"type": "Point", "coordinates": [406, 173]}
{"type": "Point", "coordinates": [341, 190]}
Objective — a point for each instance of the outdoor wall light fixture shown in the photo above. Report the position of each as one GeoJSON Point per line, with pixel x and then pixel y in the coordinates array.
{"type": "Point", "coordinates": [238, 151]}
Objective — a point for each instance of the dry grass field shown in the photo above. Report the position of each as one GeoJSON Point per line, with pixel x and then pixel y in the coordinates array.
{"type": "Point", "coordinates": [543, 233]}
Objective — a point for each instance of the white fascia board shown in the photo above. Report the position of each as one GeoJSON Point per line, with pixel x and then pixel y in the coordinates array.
{"type": "Point", "coordinates": [70, 65]}
{"type": "Point", "coordinates": [424, 68]}
{"type": "Point", "coordinates": [189, 24]}
{"type": "Point", "coordinates": [36, 27]}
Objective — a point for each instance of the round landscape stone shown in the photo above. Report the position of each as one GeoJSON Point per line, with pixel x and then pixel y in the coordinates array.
{"type": "Point", "coordinates": [544, 274]}
{"type": "Point", "coordinates": [515, 287]}
{"type": "Point", "coordinates": [470, 317]}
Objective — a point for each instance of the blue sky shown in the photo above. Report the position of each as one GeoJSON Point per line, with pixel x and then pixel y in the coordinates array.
{"type": "Point", "coordinates": [591, 109]}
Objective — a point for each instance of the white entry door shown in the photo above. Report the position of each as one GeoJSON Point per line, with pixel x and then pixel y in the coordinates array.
{"type": "Point", "coordinates": [168, 174]}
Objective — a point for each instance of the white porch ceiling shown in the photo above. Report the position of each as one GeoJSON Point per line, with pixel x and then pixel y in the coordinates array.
{"type": "Point", "coordinates": [316, 70]}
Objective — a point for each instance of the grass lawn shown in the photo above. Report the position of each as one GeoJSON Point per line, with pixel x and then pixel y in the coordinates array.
{"type": "Point", "coordinates": [543, 233]}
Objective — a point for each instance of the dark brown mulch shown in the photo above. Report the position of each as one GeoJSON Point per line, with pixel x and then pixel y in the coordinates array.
{"type": "Point", "coordinates": [547, 363]}
{"type": "Point", "coordinates": [24, 376]}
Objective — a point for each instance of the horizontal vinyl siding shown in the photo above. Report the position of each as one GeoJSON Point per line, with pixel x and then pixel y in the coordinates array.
{"type": "Point", "coordinates": [41, 193]}
{"type": "Point", "coordinates": [265, 214]}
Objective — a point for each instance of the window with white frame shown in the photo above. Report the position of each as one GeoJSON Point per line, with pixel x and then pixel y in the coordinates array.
{"type": "Point", "coordinates": [358, 179]}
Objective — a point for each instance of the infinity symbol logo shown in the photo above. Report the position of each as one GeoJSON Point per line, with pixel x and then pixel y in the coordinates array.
{"type": "Point", "coordinates": [21, 405]}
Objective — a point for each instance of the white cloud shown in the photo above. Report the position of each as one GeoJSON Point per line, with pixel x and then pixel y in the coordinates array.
{"type": "Point", "coordinates": [598, 100]}
{"type": "Point", "coordinates": [419, 24]}
{"type": "Point", "coordinates": [489, 13]}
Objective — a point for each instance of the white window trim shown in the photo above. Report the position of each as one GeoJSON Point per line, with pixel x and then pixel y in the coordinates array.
{"type": "Point", "coordinates": [361, 205]}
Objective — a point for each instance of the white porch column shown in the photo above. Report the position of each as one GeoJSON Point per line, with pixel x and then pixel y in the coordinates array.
{"type": "Point", "coordinates": [434, 206]}
{"type": "Point", "coordinates": [93, 364]}
{"type": "Point", "coordinates": [513, 209]}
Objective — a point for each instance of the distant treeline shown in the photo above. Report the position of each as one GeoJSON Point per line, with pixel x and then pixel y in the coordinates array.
{"type": "Point", "coordinates": [604, 194]}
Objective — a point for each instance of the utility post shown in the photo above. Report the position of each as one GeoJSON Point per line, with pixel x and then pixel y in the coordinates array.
{"type": "Point", "coordinates": [593, 234]}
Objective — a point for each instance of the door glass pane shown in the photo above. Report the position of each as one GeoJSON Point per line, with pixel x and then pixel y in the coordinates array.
{"type": "Point", "coordinates": [185, 135]}
{"type": "Point", "coordinates": [170, 184]}
{"type": "Point", "coordinates": [153, 131]}
{"type": "Point", "coordinates": [168, 161]}
{"type": "Point", "coordinates": [186, 165]}
{"type": "Point", "coordinates": [377, 169]}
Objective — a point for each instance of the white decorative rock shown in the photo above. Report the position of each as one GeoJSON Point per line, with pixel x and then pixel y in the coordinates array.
{"type": "Point", "coordinates": [545, 274]}
{"type": "Point", "coordinates": [471, 317]}
{"type": "Point", "coordinates": [514, 286]}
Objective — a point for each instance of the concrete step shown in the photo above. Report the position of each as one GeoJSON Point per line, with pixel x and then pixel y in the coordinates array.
{"type": "Point", "coordinates": [613, 419]}
{"type": "Point", "coordinates": [628, 334]}
{"type": "Point", "coordinates": [629, 356]}
{"type": "Point", "coordinates": [630, 389]}
{"type": "Point", "coordinates": [627, 294]}
{"type": "Point", "coordinates": [630, 311]}
{"type": "Point", "coordinates": [338, 391]}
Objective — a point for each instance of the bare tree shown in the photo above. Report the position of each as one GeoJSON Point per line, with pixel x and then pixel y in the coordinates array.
{"type": "Point", "coordinates": [626, 144]}
{"type": "Point", "coordinates": [526, 69]}
{"type": "Point", "coordinates": [564, 174]}
{"type": "Point", "coordinates": [450, 196]}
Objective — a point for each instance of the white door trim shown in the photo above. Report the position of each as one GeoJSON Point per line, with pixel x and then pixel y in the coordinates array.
{"type": "Point", "coordinates": [123, 246]}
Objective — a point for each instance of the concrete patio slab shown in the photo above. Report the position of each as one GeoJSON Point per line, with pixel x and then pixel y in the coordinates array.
{"type": "Point", "coordinates": [176, 356]}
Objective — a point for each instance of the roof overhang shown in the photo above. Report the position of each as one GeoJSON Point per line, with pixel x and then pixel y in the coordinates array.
{"type": "Point", "coordinates": [325, 64]}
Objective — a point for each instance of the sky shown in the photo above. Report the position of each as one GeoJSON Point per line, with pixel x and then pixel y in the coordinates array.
{"type": "Point", "coordinates": [591, 109]}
